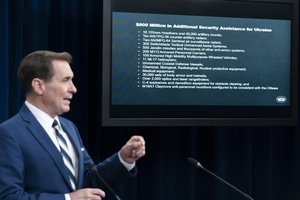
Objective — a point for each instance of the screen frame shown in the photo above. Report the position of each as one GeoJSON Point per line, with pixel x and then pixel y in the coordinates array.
{"type": "Point", "coordinates": [107, 120]}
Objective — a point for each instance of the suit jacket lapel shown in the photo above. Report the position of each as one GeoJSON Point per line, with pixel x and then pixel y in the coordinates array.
{"type": "Point", "coordinates": [69, 130]}
{"type": "Point", "coordinates": [74, 136]}
{"type": "Point", "coordinates": [40, 134]}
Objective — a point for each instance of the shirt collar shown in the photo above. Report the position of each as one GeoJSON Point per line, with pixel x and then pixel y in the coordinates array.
{"type": "Point", "coordinates": [43, 118]}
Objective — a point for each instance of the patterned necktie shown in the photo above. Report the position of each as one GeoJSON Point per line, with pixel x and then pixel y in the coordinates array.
{"type": "Point", "coordinates": [65, 154]}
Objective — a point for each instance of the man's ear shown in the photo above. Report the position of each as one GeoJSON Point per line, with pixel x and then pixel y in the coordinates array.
{"type": "Point", "coordinates": [38, 86]}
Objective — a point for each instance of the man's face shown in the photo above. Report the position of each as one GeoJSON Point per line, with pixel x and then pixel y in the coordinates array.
{"type": "Point", "coordinates": [59, 91]}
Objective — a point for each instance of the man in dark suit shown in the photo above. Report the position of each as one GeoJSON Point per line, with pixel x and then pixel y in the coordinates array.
{"type": "Point", "coordinates": [41, 153]}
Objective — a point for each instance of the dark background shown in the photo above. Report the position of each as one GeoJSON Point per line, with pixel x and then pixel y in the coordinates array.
{"type": "Point", "coordinates": [262, 161]}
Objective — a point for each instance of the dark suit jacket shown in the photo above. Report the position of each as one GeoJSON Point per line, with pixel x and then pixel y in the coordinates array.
{"type": "Point", "coordinates": [31, 167]}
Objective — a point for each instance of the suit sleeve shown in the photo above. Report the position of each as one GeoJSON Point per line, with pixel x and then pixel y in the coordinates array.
{"type": "Point", "coordinates": [12, 172]}
{"type": "Point", "coordinates": [112, 170]}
